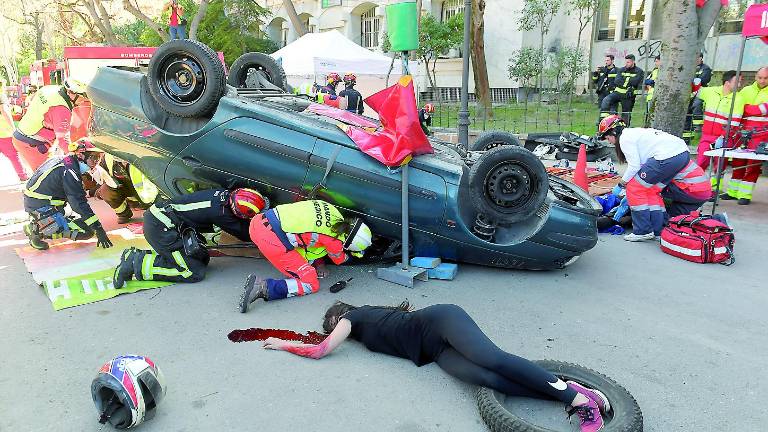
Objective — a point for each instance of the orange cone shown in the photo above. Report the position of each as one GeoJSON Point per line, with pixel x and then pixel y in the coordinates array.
{"type": "Point", "coordinates": [580, 174]}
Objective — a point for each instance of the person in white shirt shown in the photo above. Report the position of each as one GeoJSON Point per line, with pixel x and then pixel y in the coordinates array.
{"type": "Point", "coordinates": [659, 166]}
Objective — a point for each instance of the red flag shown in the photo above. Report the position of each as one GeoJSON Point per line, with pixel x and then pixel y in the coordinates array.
{"type": "Point", "coordinates": [400, 136]}
{"type": "Point", "coordinates": [756, 22]}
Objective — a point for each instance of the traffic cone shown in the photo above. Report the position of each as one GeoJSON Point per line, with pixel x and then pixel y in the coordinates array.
{"type": "Point", "coordinates": [580, 173]}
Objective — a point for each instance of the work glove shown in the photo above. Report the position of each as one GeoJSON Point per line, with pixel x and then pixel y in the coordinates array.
{"type": "Point", "coordinates": [621, 210]}
{"type": "Point", "coordinates": [356, 254]}
{"type": "Point", "coordinates": [618, 190]}
{"type": "Point", "coordinates": [102, 240]}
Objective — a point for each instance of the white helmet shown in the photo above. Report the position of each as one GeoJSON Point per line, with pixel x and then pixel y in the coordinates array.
{"type": "Point", "coordinates": [359, 238]}
{"type": "Point", "coordinates": [127, 390]}
{"type": "Point", "coordinates": [75, 86]}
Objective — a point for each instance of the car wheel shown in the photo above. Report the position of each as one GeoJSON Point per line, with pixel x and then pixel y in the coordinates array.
{"type": "Point", "coordinates": [186, 78]}
{"type": "Point", "coordinates": [491, 140]}
{"type": "Point", "coordinates": [261, 62]}
{"type": "Point", "coordinates": [508, 184]}
{"type": "Point", "coordinates": [624, 416]}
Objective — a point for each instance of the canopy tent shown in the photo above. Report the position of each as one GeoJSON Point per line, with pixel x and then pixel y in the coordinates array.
{"type": "Point", "coordinates": [311, 57]}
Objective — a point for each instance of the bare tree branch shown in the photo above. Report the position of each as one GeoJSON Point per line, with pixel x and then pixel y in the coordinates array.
{"type": "Point", "coordinates": [135, 11]}
{"type": "Point", "coordinates": [197, 19]}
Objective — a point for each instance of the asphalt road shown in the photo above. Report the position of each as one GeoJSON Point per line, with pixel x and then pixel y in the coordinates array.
{"type": "Point", "coordinates": [688, 341]}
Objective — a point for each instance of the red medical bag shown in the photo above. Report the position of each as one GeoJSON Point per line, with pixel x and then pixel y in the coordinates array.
{"type": "Point", "coordinates": [700, 239]}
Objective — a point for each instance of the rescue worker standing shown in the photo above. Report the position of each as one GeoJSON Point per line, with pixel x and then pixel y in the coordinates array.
{"type": "Point", "coordinates": [58, 182]}
{"type": "Point", "coordinates": [172, 230]}
{"type": "Point", "coordinates": [295, 237]}
{"type": "Point", "coordinates": [746, 172]}
{"type": "Point", "coordinates": [695, 117]}
{"type": "Point", "coordinates": [603, 78]}
{"type": "Point", "coordinates": [717, 106]}
{"type": "Point", "coordinates": [354, 98]}
{"type": "Point", "coordinates": [659, 167]}
{"type": "Point", "coordinates": [425, 118]}
{"type": "Point", "coordinates": [629, 80]}
{"type": "Point", "coordinates": [115, 186]}
{"type": "Point", "coordinates": [650, 84]}
{"type": "Point", "coordinates": [46, 121]}
{"type": "Point", "coordinates": [6, 132]}
{"type": "Point", "coordinates": [332, 80]}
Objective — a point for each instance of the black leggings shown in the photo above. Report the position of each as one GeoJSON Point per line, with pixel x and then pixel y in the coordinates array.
{"type": "Point", "coordinates": [470, 356]}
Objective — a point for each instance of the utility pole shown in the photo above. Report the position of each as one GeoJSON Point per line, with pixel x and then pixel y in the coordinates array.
{"type": "Point", "coordinates": [464, 109]}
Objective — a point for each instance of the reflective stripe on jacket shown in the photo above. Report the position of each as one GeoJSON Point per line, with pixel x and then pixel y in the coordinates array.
{"type": "Point", "coordinates": [45, 98]}
{"type": "Point", "coordinates": [693, 180]}
{"type": "Point", "coordinates": [755, 109]}
{"type": "Point", "coordinates": [627, 79]}
{"type": "Point", "coordinates": [309, 228]}
{"type": "Point", "coordinates": [716, 110]}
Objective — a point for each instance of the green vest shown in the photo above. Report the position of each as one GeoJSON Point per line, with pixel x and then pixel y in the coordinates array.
{"type": "Point", "coordinates": [313, 216]}
{"type": "Point", "coordinates": [47, 97]}
{"type": "Point", "coordinates": [654, 77]}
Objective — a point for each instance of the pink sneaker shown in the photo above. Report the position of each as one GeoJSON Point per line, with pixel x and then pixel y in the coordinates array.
{"type": "Point", "coordinates": [590, 419]}
{"type": "Point", "coordinates": [595, 395]}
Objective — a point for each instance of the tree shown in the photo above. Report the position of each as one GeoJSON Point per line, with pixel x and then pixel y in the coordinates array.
{"type": "Point", "coordinates": [298, 26]}
{"type": "Point", "coordinates": [564, 67]}
{"type": "Point", "coordinates": [525, 66]}
{"type": "Point", "coordinates": [159, 29]}
{"type": "Point", "coordinates": [538, 13]}
{"type": "Point", "coordinates": [683, 34]}
{"type": "Point", "coordinates": [585, 11]}
{"type": "Point", "coordinates": [479, 67]}
{"type": "Point", "coordinates": [31, 15]}
{"type": "Point", "coordinates": [435, 39]}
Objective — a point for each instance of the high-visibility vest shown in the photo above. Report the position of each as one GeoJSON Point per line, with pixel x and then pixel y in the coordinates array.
{"type": "Point", "coordinates": [755, 106]}
{"type": "Point", "coordinates": [716, 110]}
{"type": "Point", "coordinates": [654, 76]}
{"type": "Point", "coordinates": [312, 216]}
{"type": "Point", "coordinates": [46, 98]}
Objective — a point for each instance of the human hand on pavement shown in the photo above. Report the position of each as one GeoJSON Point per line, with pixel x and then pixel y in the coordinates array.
{"type": "Point", "coordinates": [102, 240]}
{"type": "Point", "coordinates": [274, 344]}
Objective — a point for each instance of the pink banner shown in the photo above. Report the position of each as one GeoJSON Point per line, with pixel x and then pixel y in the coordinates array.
{"type": "Point", "coordinates": [756, 22]}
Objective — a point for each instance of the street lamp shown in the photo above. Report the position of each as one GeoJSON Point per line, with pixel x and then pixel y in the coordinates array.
{"type": "Point", "coordinates": [464, 109]}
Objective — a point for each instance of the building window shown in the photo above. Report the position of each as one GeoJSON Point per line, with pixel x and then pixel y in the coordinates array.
{"type": "Point", "coordinates": [330, 3]}
{"type": "Point", "coordinates": [732, 16]}
{"type": "Point", "coordinates": [452, 8]}
{"type": "Point", "coordinates": [284, 36]}
{"type": "Point", "coordinates": [310, 28]}
{"type": "Point", "coordinates": [634, 19]}
{"type": "Point", "coordinates": [369, 29]}
{"type": "Point", "coordinates": [606, 20]}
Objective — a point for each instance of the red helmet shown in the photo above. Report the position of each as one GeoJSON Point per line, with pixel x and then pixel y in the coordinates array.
{"type": "Point", "coordinates": [333, 78]}
{"type": "Point", "coordinates": [350, 77]}
{"type": "Point", "coordinates": [608, 124]}
{"type": "Point", "coordinates": [430, 108]}
{"type": "Point", "coordinates": [247, 203]}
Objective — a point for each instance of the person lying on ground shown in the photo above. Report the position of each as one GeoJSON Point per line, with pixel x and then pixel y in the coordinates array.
{"type": "Point", "coordinates": [447, 335]}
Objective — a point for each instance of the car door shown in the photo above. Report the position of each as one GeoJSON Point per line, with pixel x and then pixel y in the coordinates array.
{"type": "Point", "coordinates": [360, 183]}
{"type": "Point", "coordinates": [245, 152]}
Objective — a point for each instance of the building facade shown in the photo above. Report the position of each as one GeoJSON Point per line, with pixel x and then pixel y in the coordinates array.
{"type": "Point", "coordinates": [619, 28]}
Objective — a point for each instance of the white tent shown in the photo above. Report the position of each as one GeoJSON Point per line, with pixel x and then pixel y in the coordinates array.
{"type": "Point", "coordinates": [321, 53]}
{"type": "Point", "coordinates": [311, 57]}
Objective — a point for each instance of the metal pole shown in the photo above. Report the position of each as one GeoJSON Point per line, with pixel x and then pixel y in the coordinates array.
{"type": "Point", "coordinates": [721, 162]}
{"type": "Point", "coordinates": [464, 109]}
{"type": "Point", "coordinates": [404, 192]}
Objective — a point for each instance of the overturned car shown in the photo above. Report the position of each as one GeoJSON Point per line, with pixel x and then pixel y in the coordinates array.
{"type": "Point", "coordinates": [187, 129]}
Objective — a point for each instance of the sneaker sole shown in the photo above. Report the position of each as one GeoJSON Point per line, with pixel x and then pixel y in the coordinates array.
{"type": "Point", "coordinates": [247, 288]}
{"type": "Point", "coordinates": [606, 405]}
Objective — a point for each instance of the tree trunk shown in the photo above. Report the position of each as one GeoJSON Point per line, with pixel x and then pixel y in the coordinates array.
{"type": "Point", "coordinates": [198, 19]}
{"type": "Point", "coordinates": [101, 20]}
{"type": "Point", "coordinates": [298, 26]}
{"type": "Point", "coordinates": [479, 66]}
{"type": "Point", "coordinates": [540, 79]}
{"type": "Point", "coordinates": [135, 11]}
{"type": "Point", "coordinates": [682, 40]}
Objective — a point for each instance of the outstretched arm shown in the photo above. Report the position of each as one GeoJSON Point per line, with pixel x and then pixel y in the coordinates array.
{"type": "Point", "coordinates": [319, 351]}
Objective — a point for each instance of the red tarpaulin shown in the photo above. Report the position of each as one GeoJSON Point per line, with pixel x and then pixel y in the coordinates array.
{"type": "Point", "coordinates": [756, 22]}
{"type": "Point", "coordinates": [400, 136]}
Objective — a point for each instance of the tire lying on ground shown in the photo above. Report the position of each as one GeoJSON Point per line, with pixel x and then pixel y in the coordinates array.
{"type": "Point", "coordinates": [261, 62]}
{"type": "Point", "coordinates": [625, 414]}
{"type": "Point", "coordinates": [186, 78]}
{"type": "Point", "coordinates": [491, 140]}
{"type": "Point", "coordinates": [508, 184]}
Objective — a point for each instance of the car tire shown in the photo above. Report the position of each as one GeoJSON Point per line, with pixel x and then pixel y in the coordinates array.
{"type": "Point", "coordinates": [260, 61]}
{"type": "Point", "coordinates": [491, 140]}
{"type": "Point", "coordinates": [508, 184]}
{"type": "Point", "coordinates": [186, 78]}
{"type": "Point", "coordinates": [625, 414]}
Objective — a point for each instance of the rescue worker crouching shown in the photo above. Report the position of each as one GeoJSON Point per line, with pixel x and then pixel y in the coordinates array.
{"type": "Point", "coordinates": [47, 121]}
{"type": "Point", "coordinates": [172, 229]}
{"type": "Point", "coordinates": [53, 185]}
{"type": "Point", "coordinates": [294, 238]}
{"type": "Point", "coordinates": [629, 80]}
{"type": "Point", "coordinates": [115, 187]}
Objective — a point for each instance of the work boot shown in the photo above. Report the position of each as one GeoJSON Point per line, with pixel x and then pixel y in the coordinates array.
{"type": "Point", "coordinates": [125, 216]}
{"type": "Point", "coordinates": [726, 197]}
{"type": "Point", "coordinates": [124, 270]}
{"type": "Point", "coordinates": [745, 201]}
{"type": "Point", "coordinates": [254, 289]}
{"type": "Point", "coordinates": [30, 229]}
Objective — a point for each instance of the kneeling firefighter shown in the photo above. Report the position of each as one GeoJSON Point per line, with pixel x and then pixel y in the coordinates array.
{"type": "Point", "coordinates": [55, 183]}
{"type": "Point", "coordinates": [173, 230]}
{"type": "Point", "coordinates": [115, 187]}
{"type": "Point", "coordinates": [295, 237]}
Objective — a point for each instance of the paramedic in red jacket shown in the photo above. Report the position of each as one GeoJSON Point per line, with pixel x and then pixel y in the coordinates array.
{"type": "Point", "coordinates": [659, 166]}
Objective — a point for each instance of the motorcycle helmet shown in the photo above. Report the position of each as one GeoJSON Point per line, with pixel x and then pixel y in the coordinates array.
{"type": "Point", "coordinates": [127, 390]}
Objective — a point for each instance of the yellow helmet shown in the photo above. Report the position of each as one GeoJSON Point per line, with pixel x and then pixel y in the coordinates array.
{"type": "Point", "coordinates": [75, 86]}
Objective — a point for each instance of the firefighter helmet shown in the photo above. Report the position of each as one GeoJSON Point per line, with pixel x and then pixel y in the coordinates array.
{"type": "Point", "coordinates": [609, 124]}
{"type": "Point", "coordinates": [333, 78]}
{"type": "Point", "coordinates": [75, 86]}
{"type": "Point", "coordinates": [127, 390]}
{"type": "Point", "coordinates": [359, 237]}
{"type": "Point", "coordinates": [430, 108]}
{"type": "Point", "coordinates": [247, 203]}
{"type": "Point", "coordinates": [350, 78]}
